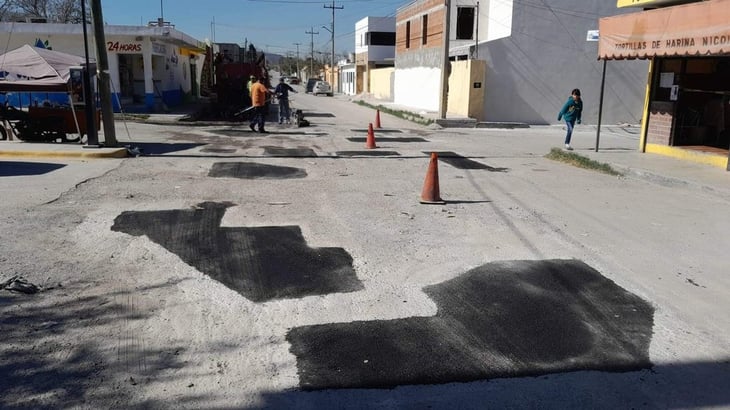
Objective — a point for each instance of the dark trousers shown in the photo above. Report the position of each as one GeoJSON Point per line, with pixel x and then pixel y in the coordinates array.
{"type": "Point", "coordinates": [259, 117]}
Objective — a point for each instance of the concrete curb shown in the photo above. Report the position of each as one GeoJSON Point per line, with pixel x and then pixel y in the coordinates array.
{"type": "Point", "coordinates": [666, 180]}
{"type": "Point", "coordinates": [507, 125]}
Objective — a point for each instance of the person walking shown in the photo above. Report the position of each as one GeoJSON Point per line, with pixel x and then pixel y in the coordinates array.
{"type": "Point", "coordinates": [571, 113]}
{"type": "Point", "coordinates": [282, 93]}
{"type": "Point", "coordinates": [258, 101]}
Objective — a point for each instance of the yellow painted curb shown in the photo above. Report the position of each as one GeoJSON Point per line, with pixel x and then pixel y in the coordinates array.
{"type": "Point", "coordinates": [87, 153]}
{"type": "Point", "coordinates": [688, 155]}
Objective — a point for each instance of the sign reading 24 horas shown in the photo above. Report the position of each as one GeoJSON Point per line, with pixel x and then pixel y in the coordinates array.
{"type": "Point", "coordinates": [119, 46]}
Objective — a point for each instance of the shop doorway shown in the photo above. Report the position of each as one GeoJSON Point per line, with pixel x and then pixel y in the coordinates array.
{"type": "Point", "coordinates": [127, 78]}
{"type": "Point", "coordinates": [702, 93]}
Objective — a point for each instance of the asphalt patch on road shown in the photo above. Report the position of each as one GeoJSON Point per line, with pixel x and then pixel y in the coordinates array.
{"type": "Point", "coordinates": [236, 132]}
{"type": "Point", "coordinates": [18, 168]}
{"type": "Point", "coordinates": [368, 153]}
{"type": "Point", "coordinates": [502, 319]}
{"type": "Point", "coordinates": [219, 150]}
{"type": "Point", "coordinates": [260, 263]}
{"type": "Point", "coordinates": [319, 115]}
{"type": "Point", "coordinates": [252, 170]}
{"type": "Point", "coordinates": [289, 152]}
{"type": "Point", "coordinates": [376, 130]}
{"type": "Point", "coordinates": [248, 133]}
{"type": "Point", "coordinates": [461, 162]}
{"type": "Point", "coordinates": [388, 139]}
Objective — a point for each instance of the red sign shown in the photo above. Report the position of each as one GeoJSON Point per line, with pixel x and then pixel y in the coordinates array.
{"type": "Point", "coordinates": [128, 47]}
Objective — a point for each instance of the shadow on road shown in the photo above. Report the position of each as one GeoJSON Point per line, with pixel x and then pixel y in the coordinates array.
{"type": "Point", "coordinates": [13, 168]}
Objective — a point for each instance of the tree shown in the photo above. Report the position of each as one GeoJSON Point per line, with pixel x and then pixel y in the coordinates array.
{"type": "Point", "coordinates": [56, 11]}
{"type": "Point", "coordinates": [251, 54]}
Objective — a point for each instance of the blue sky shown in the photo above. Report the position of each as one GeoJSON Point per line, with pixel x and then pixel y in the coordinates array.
{"type": "Point", "coordinates": [272, 25]}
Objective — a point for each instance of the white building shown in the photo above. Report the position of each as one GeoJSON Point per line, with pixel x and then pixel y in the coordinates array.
{"type": "Point", "coordinates": [374, 48]}
{"type": "Point", "coordinates": [148, 65]}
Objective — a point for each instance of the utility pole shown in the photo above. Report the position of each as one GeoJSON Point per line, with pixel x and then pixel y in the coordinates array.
{"type": "Point", "coordinates": [105, 95]}
{"type": "Point", "coordinates": [332, 32]}
{"type": "Point", "coordinates": [92, 137]}
{"type": "Point", "coordinates": [311, 56]}
{"type": "Point", "coordinates": [445, 67]}
{"type": "Point", "coordinates": [298, 73]}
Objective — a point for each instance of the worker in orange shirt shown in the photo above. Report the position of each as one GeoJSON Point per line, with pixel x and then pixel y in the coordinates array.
{"type": "Point", "coordinates": [259, 92]}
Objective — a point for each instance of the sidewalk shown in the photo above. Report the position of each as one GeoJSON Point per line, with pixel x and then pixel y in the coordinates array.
{"type": "Point", "coordinates": [663, 170]}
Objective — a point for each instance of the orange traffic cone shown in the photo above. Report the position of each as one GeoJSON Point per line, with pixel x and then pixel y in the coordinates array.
{"type": "Point", "coordinates": [430, 193]}
{"type": "Point", "coordinates": [377, 119]}
{"type": "Point", "coordinates": [370, 143]}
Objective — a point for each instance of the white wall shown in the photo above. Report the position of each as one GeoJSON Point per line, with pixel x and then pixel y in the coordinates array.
{"type": "Point", "coordinates": [371, 24]}
{"type": "Point", "coordinates": [531, 72]}
{"type": "Point", "coordinates": [498, 21]}
{"type": "Point", "coordinates": [494, 21]}
{"type": "Point", "coordinates": [418, 87]}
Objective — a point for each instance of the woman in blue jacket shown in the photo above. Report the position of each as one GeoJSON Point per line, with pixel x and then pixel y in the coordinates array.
{"type": "Point", "coordinates": [571, 113]}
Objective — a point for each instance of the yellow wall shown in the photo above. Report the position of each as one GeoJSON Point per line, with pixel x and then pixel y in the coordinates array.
{"type": "Point", "coordinates": [717, 160]}
{"type": "Point", "coordinates": [381, 80]}
{"type": "Point", "coordinates": [464, 98]}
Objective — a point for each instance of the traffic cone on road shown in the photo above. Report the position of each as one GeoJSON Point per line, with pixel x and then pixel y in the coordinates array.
{"type": "Point", "coordinates": [430, 193]}
{"type": "Point", "coordinates": [370, 143]}
{"type": "Point", "coordinates": [377, 119]}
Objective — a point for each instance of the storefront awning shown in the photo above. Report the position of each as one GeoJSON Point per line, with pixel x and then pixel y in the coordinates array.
{"type": "Point", "coordinates": [647, 3]}
{"type": "Point", "coordinates": [690, 29]}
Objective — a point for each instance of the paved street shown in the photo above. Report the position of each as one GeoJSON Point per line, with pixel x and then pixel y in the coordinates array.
{"type": "Point", "coordinates": [297, 269]}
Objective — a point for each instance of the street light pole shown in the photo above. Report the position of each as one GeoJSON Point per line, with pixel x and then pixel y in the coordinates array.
{"type": "Point", "coordinates": [332, 33]}
{"type": "Point", "coordinates": [298, 74]}
{"type": "Point", "coordinates": [443, 101]}
{"type": "Point", "coordinates": [311, 56]}
{"type": "Point", "coordinates": [92, 137]}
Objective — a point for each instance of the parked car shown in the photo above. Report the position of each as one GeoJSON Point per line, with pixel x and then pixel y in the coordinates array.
{"type": "Point", "coordinates": [322, 87]}
{"type": "Point", "coordinates": [310, 84]}
{"type": "Point", "coordinates": [293, 80]}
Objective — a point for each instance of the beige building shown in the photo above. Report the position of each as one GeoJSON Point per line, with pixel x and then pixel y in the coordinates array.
{"type": "Point", "coordinates": [687, 104]}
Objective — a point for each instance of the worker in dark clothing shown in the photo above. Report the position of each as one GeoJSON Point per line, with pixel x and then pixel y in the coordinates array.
{"type": "Point", "coordinates": [282, 94]}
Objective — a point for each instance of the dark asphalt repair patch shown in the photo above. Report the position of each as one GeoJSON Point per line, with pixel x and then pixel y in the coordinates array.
{"type": "Point", "coordinates": [376, 130]}
{"type": "Point", "coordinates": [388, 139]}
{"type": "Point", "coordinates": [460, 162]}
{"type": "Point", "coordinates": [368, 153]}
{"type": "Point", "coordinates": [261, 263]}
{"type": "Point", "coordinates": [251, 170]}
{"type": "Point", "coordinates": [319, 114]}
{"type": "Point", "coordinates": [219, 150]}
{"type": "Point", "coordinates": [502, 319]}
{"type": "Point", "coordinates": [289, 152]}
{"type": "Point", "coordinates": [248, 133]}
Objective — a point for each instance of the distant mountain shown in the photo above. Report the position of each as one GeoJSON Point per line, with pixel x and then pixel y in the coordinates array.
{"type": "Point", "coordinates": [272, 59]}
